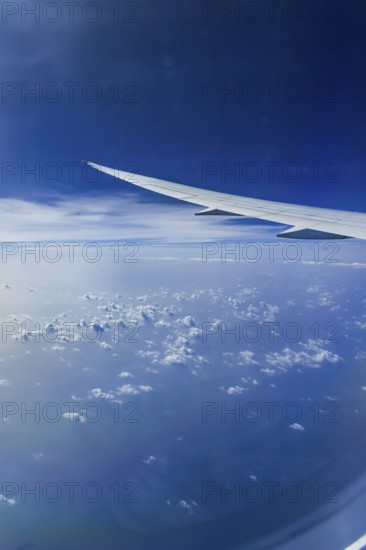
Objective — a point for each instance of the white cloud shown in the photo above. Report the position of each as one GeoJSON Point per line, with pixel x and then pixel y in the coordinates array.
{"type": "Point", "coordinates": [297, 427]}
{"type": "Point", "coordinates": [189, 507]}
{"type": "Point", "coordinates": [179, 353]}
{"type": "Point", "coordinates": [150, 459]}
{"type": "Point", "coordinates": [247, 358]}
{"type": "Point", "coordinates": [104, 218]}
{"type": "Point", "coordinates": [153, 356]}
{"type": "Point", "coordinates": [314, 356]}
{"type": "Point", "coordinates": [105, 345]}
{"type": "Point", "coordinates": [187, 321]}
{"type": "Point", "coordinates": [131, 389]}
{"type": "Point", "coordinates": [234, 390]}
{"type": "Point", "coordinates": [268, 371]}
{"type": "Point", "coordinates": [38, 456]}
{"type": "Point", "coordinates": [9, 501]}
{"type": "Point", "coordinates": [98, 393]}
{"type": "Point", "coordinates": [73, 417]}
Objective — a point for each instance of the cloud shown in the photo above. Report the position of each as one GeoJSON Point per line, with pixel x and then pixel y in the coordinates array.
{"type": "Point", "coordinates": [189, 507]}
{"type": "Point", "coordinates": [149, 460]}
{"type": "Point", "coordinates": [187, 321]}
{"type": "Point", "coordinates": [297, 427]}
{"type": "Point", "coordinates": [314, 356]}
{"type": "Point", "coordinates": [179, 353]}
{"type": "Point", "coordinates": [74, 417]}
{"type": "Point", "coordinates": [105, 345]}
{"type": "Point", "coordinates": [131, 389]}
{"type": "Point", "coordinates": [8, 501]}
{"type": "Point", "coordinates": [247, 358]}
{"type": "Point", "coordinates": [268, 371]}
{"type": "Point", "coordinates": [97, 392]}
{"type": "Point", "coordinates": [104, 218]}
{"type": "Point", "coordinates": [234, 390]}
{"type": "Point", "coordinates": [153, 356]}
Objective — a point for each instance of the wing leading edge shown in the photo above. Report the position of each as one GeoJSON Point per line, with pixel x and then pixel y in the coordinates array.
{"type": "Point", "coordinates": [306, 222]}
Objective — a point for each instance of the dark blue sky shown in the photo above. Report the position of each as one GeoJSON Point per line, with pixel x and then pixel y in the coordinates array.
{"type": "Point", "coordinates": [175, 61]}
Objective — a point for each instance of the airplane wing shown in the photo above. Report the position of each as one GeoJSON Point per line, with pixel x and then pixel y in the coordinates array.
{"type": "Point", "coordinates": [307, 222]}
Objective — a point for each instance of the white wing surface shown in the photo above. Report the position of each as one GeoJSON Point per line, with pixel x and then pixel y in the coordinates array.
{"type": "Point", "coordinates": [307, 222]}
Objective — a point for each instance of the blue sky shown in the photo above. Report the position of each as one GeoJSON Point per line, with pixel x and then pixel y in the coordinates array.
{"type": "Point", "coordinates": [177, 122]}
